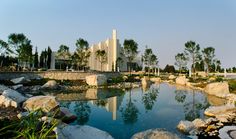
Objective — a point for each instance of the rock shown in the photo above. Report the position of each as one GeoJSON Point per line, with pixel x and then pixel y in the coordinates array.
{"type": "Point", "coordinates": [217, 110]}
{"type": "Point", "coordinates": [64, 131]}
{"type": "Point", "coordinates": [66, 115]}
{"type": "Point", "coordinates": [231, 99]}
{"type": "Point", "coordinates": [15, 87]}
{"type": "Point", "coordinates": [145, 81]}
{"type": "Point", "coordinates": [22, 114]}
{"type": "Point", "coordinates": [2, 88]}
{"type": "Point", "coordinates": [199, 123]}
{"type": "Point", "coordinates": [36, 88]}
{"type": "Point", "coordinates": [155, 79]}
{"type": "Point", "coordinates": [11, 98]}
{"type": "Point", "coordinates": [137, 78]}
{"type": "Point", "coordinates": [52, 84]}
{"type": "Point", "coordinates": [210, 128]}
{"type": "Point", "coordinates": [185, 126]}
{"type": "Point", "coordinates": [155, 134]}
{"type": "Point", "coordinates": [227, 132]}
{"type": "Point", "coordinates": [211, 121]}
{"type": "Point", "coordinates": [172, 77]}
{"type": "Point", "coordinates": [20, 80]}
{"type": "Point", "coordinates": [45, 103]}
{"type": "Point", "coordinates": [181, 80]}
{"type": "Point", "coordinates": [219, 89]}
{"type": "Point", "coordinates": [96, 80]}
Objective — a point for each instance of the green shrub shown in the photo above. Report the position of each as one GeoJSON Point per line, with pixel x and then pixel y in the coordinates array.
{"type": "Point", "coordinates": [29, 127]}
{"type": "Point", "coordinates": [219, 79]}
{"type": "Point", "coordinates": [232, 85]}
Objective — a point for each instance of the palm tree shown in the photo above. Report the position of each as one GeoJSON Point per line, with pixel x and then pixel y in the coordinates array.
{"type": "Point", "coordinates": [101, 55]}
{"type": "Point", "coordinates": [130, 51]}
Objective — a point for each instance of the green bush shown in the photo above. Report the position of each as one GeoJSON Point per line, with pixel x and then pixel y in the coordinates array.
{"type": "Point", "coordinates": [219, 79]}
{"type": "Point", "coordinates": [232, 85]}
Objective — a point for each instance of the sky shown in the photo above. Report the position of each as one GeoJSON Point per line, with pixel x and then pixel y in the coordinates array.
{"type": "Point", "coordinates": [163, 25]}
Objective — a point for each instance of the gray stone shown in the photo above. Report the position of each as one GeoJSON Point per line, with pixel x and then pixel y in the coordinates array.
{"type": "Point", "coordinates": [185, 126]}
{"type": "Point", "coordinates": [96, 80]}
{"type": "Point", "coordinates": [66, 115]}
{"type": "Point", "coordinates": [65, 131]}
{"type": "Point", "coordinates": [22, 114]}
{"type": "Point", "coordinates": [219, 89]}
{"type": "Point", "coordinates": [155, 134]}
{"type": "Point", "coordinates": [15, 87]}
{"type": "Point", "coordinates": [11, 98]}
{"type": "Point", "coordinates": [45, 103]}
{"type": "Point", "coordinates": [227, 132]}
{"type": "Point", "coordinates": [19, 80]}
{"type": "Point", "coordinates": [2, 88]}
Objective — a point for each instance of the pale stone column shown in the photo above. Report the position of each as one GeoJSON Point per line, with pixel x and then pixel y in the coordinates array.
{"type": "Point", "coordinates": [114, 39]}
{"type": "Point", "coordinates": [52, 65]}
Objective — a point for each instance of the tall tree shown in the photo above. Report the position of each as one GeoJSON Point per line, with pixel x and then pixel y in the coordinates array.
{"type": "Point", "coordinates": [4, 50]}
{"type": "Point", "coordinates": [101, 55]}
{"type": "Point", "coordinates": [218, 65]}
{"type": "Point", "coordinates": [208, 57]}
{"type": "Point", "coordinates": [36, 58]}
{"type": "Point", "coordinates": [25, 53]}
{"type": "Point", "coordinates": [149, 59]}
{"type": "Point", "coordinates": [63, 53]}
{"type": "Point", "coordinates": [82, 53]}
{"type": "Point", "coordinates": [130, 51]}
{"type": "Point", "coordinates": [192, 51]}
{"type": "Point", "coordinates": [119, 62]}
{"type": "Point", "coordinates": [181, 61]}
{"type": "Point", "coordinates": [49, 55]}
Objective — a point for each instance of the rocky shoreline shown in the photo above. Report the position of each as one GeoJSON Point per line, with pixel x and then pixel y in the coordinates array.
{"type": "Point", "coordinates": [20, 99]}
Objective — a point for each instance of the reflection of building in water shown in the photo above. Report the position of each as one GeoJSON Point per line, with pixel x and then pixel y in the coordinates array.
{"type": "Point", "coordinates": [112, 105]}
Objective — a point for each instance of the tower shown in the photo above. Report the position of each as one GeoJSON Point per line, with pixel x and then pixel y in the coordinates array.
{"type": "Point", "coordinates": [114, 39]}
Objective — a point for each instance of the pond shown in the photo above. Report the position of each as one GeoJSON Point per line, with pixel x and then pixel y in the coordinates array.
{"type": "Point", "coordinates": [124, 113]}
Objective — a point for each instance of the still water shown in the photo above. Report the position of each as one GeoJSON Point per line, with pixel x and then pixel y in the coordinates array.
{"type": "Point", "coordinates": [123, 113]}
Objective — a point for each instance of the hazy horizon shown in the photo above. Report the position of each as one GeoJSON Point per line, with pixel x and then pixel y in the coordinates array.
{"type": "Point", "coordinates": [163, 25]}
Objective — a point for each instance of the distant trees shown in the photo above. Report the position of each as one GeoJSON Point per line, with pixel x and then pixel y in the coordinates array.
{"type": "Point", "coordinates": [181, 61]}
{"type": "Point", "coordinates": [82, 53]}
{"type": "Point", "coordinates": [192, 51]}
{"type": "Point", "coordinates": [101, 55]}
{"type": "Point", "coordinates": [63, 53]}
{"type": "Point", "coordinates": [49, 55]}
{"type": "Point", "coordinates": [4, 51]}
{"type": "Point", "coordinates": [36, 58]}
{"type": "Point", "coordinates": [169, 69]}
{"type": "Point", "coordinates": [208, 57]}
{"type": "Point", "coordinates": [130, 51]}
{"type": "Point", "coordinates": [149, 59]}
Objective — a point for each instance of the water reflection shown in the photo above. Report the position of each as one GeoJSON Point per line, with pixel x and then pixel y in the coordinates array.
{"type": "Point", "coordinates": [130, 112]}
{"type": "Point", "coordinates": [192, 107]}
{"type": "Point", "coordinates": [150, 97]}
{"type": "Point", "coordinates": [82, 110]}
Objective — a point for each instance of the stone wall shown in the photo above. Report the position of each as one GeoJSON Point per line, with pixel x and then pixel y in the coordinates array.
{"type": "Point", "coordinates": [57, 75]}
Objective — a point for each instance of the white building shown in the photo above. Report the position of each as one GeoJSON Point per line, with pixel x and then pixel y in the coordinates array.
{"type": "Point", "coordinates": [113, 50]}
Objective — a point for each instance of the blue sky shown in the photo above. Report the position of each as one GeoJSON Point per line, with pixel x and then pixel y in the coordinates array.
{"type": "Point", "coordinates": [164, 25]}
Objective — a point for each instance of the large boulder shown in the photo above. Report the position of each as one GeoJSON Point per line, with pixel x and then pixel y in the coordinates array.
{"type": "Point", "coordinates": [44, 103]}
{"type": "Point", "coordinates": [217, 110]}
{"type": "Point", "coordinates": [219, 89]}
{"type": "Point", "coordinates": [185, 126]}
{"type": "Point", "coordinates": [66, 116]}
{"type": "Point", "coordinates": [181, 80]}
{"type": "Point", "coordinates": [227, 132]}
{"type": "Point", "coordinates": [155, 134]}
{"type": "Point", "coordinates": [19, 80]}
{"type": "Point", "coordinates": [51, 84]}
{"type": "Point", "coordinates": [199, 123]}
{"type": "Point", "coordinates": [2, 88]}
{"type": "Point", "coordinates": [65, 131]}
{"type": "Point", "coordinates": [15, 87]}
{"type": "Point", "coordinates": [172, 77]}
{"type": "Point", "coordinates": [155, 79]}
{"type": "Point", "coordinates": [11, 98]}
{"type": "Point", "coordinates": [96, 80]}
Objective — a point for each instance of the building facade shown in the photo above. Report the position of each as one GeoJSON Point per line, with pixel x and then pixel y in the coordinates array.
{"type": "Point", "coordinates": [113, 51]}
